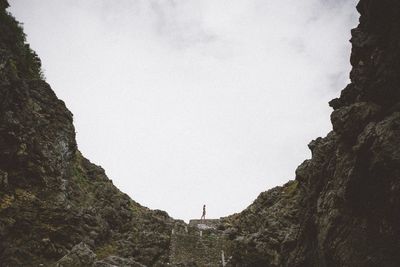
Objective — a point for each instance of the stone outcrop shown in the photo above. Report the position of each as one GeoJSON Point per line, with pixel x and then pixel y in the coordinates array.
{"type": "Point", "coordinates": [51, 198]}
{"type": "Point", "coordinates": [198, 244]}
{"type": "Point", "coordinates": [343, 209]}
{"type": "Point", "coordinates": [80, 255]}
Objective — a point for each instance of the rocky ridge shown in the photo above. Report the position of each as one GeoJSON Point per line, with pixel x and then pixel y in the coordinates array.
{"type": "Point", "coordinates": [343, 209]}
{"type": "Point", "coordinates": [54, 203]}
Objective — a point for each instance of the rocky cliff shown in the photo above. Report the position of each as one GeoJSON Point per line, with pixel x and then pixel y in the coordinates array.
{"type": "Point", "coordinates": [343, 209]}
{"type": "Point", "coordinates": [53, 201]}
{"type": "Point", "coordinates": [198, 244]}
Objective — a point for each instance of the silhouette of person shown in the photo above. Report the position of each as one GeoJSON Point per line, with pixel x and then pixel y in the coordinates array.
{"type": "Point", "coordinates": [203, 217]}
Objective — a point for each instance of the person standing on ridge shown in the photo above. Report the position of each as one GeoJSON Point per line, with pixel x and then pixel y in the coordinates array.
{"type": "Point", "coordinates": [204, 213]}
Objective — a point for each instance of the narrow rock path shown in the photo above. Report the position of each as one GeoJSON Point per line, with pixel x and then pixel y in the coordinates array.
{"type": "Point", "coordinates": [198, 244]}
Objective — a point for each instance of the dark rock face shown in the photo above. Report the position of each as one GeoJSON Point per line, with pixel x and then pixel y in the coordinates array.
{"type": "Point", "coordinates": [198, 244]}
{"type": "Point", "coordinates": [51, 198]}
{"type": "Point", "coordinates": [343, 209]}
{"type": "Point", "coordinates": [80, 255]}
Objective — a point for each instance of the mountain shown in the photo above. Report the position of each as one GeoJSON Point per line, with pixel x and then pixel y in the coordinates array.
{"type": "Point", "coordinates": [342, 209]}
{"type": "Point", "coordinates": [52, 199]}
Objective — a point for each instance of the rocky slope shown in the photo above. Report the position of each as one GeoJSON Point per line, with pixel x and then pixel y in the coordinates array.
{"type": "Point", "coordinates": [198, 244]}
{"type": "Point", "coordinates": [51, 197]}
{"type": "Point", "coordinates": [343, 209]}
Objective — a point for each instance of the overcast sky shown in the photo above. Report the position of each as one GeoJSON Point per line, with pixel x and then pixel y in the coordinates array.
{"type": "Point", "coordinates": [190, 102]}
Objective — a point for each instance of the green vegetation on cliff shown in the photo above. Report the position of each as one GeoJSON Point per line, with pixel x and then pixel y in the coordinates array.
{"type": "Point", "coordinates": [53, 201]}
{"type": "Point", "coordinates": [344, 207]}
{"type": "Point", "coordinates": [18, 60]}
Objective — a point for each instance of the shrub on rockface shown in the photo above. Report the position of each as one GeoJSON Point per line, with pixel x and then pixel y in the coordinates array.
{"type": "Point", "coordinates": [17, 59]}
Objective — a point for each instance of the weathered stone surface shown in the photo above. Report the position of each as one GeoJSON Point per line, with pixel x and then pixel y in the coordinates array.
{"type": "Point", "coordinates": [349, 121]}
{"type": "Point", "coordinates": [112, 261]}
{"type": "Point", "coordinates": [344, 207]}
{"type": "Point", "coordinates": [198, 244]}
{"type": "Point", "coordinates": [79, 256]}
{"type": "Point", "coordinates": [51, 197]}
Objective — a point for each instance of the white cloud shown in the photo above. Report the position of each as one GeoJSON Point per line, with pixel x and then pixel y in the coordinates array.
{"type": "Point", "coordinates": [192, 102]}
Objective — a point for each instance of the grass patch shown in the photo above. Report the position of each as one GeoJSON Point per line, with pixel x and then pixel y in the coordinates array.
{"type": "Point", "coordinates": [290, 189]}
{"type": "Point", "coordinates": [24, 195]}
{"type": "Point", "coordinates": [79, 177]}
{"type": "Point", "coordinates": [106, 250]}
{"type": "Point", "coordinates": [6, 201]}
